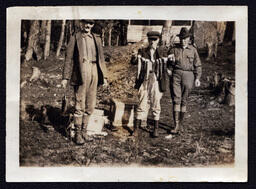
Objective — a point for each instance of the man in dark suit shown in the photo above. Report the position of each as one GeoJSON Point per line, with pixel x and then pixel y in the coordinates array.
{"type": "Point", "coordinates": [85, 69]}
{"type": "Point", "coordinates": [151, 81]}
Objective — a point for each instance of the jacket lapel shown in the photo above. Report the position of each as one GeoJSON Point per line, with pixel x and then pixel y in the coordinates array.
{"type": "Point", "coordinates": [79, 43]}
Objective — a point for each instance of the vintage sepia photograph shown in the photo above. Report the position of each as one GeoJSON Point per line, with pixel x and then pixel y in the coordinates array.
{"type": "Point", "coordinates": [140, 92]}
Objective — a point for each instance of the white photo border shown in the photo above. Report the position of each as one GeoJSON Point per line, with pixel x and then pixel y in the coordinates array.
{"type": "Point", "coordinates": [236, 173]}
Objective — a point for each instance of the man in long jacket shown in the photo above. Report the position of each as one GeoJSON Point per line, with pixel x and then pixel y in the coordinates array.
{"type": "Point", "coordinates": [85, 69]}
{"type": "Point", "coordinates": [151, 81]}
{"type": "Point", "coordinates": [186, 71]}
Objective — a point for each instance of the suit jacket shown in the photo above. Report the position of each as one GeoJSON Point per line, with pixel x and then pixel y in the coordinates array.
{"type": "Point", "coordinates": [72, 70]}
{"type": "Point", "coordinates": [145, 53]}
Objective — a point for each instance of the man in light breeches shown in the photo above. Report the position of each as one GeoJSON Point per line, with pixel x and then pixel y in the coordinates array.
{"type": "Point", "coordinates": [150, 81]}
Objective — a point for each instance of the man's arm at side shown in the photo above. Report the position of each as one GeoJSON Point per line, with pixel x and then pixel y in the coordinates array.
{"type": "Point", "coordinates": [68, 60]}
{"type": "Point", "coordinates": [197, 66]}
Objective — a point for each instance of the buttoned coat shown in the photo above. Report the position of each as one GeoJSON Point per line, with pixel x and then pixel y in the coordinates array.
{"type": "Point", "coordinates": [145, 53]}
{"type": "Point", "coordinates": [72, 63]}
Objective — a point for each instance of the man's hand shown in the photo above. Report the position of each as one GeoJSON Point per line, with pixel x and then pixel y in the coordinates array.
{"type": "Point", "coordinates": [197, 83]}
{"type": "Point", "coordinates": [171, 57]}
{"type": "Point", "coordinates": [64, 83]}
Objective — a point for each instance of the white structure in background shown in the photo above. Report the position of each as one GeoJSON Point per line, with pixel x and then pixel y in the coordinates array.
{"type": "Point", "coordinates": [137, 29]}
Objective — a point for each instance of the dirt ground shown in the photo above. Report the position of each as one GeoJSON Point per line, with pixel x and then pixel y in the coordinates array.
{"type": "Point", "coordinates": [208, 131]}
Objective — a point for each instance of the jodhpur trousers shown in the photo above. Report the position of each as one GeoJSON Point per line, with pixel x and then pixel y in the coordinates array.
{"type": "Point", "coordinates": [181, 84]}
{"type": "Point", "coordinates": [149, 98]}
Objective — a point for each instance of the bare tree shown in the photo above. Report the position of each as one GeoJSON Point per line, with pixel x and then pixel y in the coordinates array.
{"type": "Point", "coordinates": [110, 28]}
{"type": "Point", "coordinates": [61, 38]}
{"type": "Point", "coordinates": [42, 31]}
{"type": "Point", "coordinates": [47, 39]}
{"type": "Point", "coordinates": [33, 46]}
{"type": "Point", "coordinates": [117, 40]}
{"type": "Point", "coordinates": [221, 27]}
{"type": "Point", "coordinates": [103, 37]}
{"type": "Point", "coordinates": [166, 33]}
{"type": "Point", "coordinates": [123, 32]}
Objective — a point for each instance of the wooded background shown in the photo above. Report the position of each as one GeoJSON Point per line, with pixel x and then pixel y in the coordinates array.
{"type": "Point", "coordinates": [39, 37]}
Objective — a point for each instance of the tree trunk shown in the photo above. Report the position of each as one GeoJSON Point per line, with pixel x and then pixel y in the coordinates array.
{"type": "Point", "coordinates": [69, 30]}
{"type": "Point", "coordinates": [33, 38]}
{"type": "Point", "coordinates": [103, 37]}
{"type": "Point", "coordinates": [47, 39]}
{"type": "Point", "coordinates": [123, 36]}
{"type": "Point", "coordinates": [117, 40]}
{"type": "Point", "coordinates": [42, 32]}
{"type": "Point", "coordinates": [61, 38]}
{"type": "Point", "coordinates": [221, 27]}
{"type": "Point", "coordinates": [109, 36]}
{"type": "Point", "coordinates": [166, 35]}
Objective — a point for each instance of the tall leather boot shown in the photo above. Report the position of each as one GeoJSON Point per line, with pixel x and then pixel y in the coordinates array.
{"type": "Point", "coordinates": [156, 126]}
{"type": "Point", "coordinates": [79, 140]}
{"type": "Point", "coordinates": [182, 116]}
{"type": "Point", "coordinates": [176, 119]}
{"type": "Point", "coordinates": [137, 124]}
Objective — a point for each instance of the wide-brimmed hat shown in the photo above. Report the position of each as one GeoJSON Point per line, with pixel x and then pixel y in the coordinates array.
{"type": "Point", "coordinates": [153, 35]}
{"type": "Point", "coordinates": [184, 33]}
{"type": "Point", "coordinates": [87, 21]}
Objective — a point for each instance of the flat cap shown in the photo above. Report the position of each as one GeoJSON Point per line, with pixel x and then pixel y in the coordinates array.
{"type": "Point", "coordinates": [153, 35]}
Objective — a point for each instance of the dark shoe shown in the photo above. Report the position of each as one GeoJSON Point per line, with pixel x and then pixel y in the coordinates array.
{"type": "Point", "coordinates": [155, 132]}
{"type": "Point", "coordinates": [79, 140]}
{"type": "Point", "coordinates": [176, 123]}
{"type": "Point", "coordinates": [137, 124]}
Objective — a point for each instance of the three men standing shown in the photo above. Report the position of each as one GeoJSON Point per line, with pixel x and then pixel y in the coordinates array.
{"type": "Point", "coordinates": [85, 69]}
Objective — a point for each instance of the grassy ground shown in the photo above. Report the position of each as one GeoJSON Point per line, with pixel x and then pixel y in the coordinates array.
{"type": "Point", "coordinates": [207, 139]}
